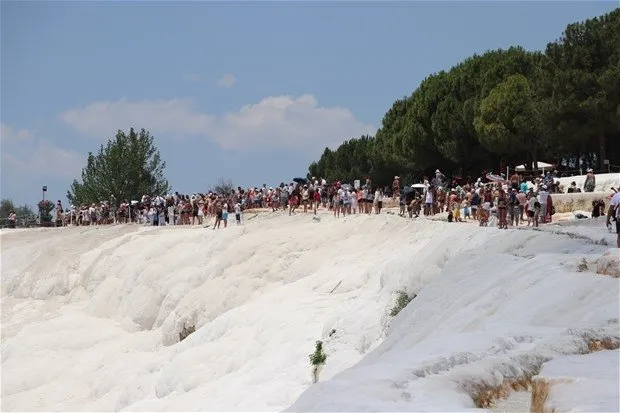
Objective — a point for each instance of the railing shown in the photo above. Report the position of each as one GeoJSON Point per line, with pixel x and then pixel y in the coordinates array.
{"type": "Point", "coordinates": [564, 173]}
{"type": "Point", "coordinates": [611, 169]}
{"type": "Point", "coordinates": [22, 221]}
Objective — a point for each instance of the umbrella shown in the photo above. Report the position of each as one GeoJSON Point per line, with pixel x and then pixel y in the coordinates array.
{"type": "Point", "coordinates": [418, 186]}
{"type": "Point", "coordinates": [346, 186]}
{"type": "Point", "coordinates": [495, 178]}
{"type": "Point", "coordinates": [300, 181]}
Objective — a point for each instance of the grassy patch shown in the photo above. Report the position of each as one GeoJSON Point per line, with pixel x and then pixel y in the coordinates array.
{"type": "Point", "coordinates": [319, 356]}
{"type": "Point", "coordinates": [402, 299]}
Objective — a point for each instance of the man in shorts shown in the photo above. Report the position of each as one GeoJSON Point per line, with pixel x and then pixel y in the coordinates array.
{"type": "Point", "coordinates": [614, 210]}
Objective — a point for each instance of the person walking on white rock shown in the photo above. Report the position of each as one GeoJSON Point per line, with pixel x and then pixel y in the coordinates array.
{"type": "Point", "coordinates": [614, 211]}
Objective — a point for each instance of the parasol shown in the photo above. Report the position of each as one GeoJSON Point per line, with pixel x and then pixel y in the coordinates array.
{"type": "Point", "coordinates": [495, 178]}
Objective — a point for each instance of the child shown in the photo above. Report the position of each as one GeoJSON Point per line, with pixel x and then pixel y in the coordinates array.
{"type": "Point", "coordinates": [537, 210]}
{"type": "Point", "coordinates": [483, 214]}
{"type": "Point", "coordinates": [465, 206]}
{"type": "Point", "coordinates": [225, 215]}
{"type": "Point", "coordinates": [403, 205]}
{"type": "Point", "coordinates": [457, 212]}
{"type": "Point", "coordinates": [238, 213]}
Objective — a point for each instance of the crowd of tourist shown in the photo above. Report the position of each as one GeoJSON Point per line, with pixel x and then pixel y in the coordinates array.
{"type": "Point", "coordinates": [490, 198]}
{"type": "Point", "coordinates": [510, 202]}
{"type": "Point", "coordinates": [307, 196]}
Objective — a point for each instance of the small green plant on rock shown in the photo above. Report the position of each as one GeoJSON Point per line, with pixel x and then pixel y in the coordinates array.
{"type": "Point", "coordinates": [319, 356]}
{"type": "Point", "coordinates": [317, 360]}
{"type": "Point", "coordinates": [401, 302]}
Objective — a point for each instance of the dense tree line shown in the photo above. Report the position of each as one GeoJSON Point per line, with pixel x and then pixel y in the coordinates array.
{"type": "Point", "coordinates": [504, 107]}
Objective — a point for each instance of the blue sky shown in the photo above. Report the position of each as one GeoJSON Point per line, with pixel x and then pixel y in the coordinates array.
{"type": "Point", "coordinates": [250, 91]}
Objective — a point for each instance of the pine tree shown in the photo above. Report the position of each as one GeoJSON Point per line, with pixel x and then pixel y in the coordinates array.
{"type": "Point", "coordinates": [127, 167]}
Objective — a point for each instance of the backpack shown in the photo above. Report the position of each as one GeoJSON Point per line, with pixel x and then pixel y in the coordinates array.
{"type": "Point", "coordinates": [476, 199]}
{"type": "Point", "coordinates": [513, 200]}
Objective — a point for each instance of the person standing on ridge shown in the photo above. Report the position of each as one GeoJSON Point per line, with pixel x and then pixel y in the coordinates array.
{"type": "Point", "coordinates": [238, 213]}
{"type": "Point", "coordinates": [590, 182]}
{"type": "Point", "coordinates": [12, 219]}
{"type": "Point", "coordinates": [614, 210]}
{"type": "Point", "coordinates": [396, 188]}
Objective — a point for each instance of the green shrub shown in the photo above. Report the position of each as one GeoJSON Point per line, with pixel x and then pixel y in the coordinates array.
{"type": "Point", "coordinates": [401, 302]}
{"type": "Point", "coordinates": [319, 356]}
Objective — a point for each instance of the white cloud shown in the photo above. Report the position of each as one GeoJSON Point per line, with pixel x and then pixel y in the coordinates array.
{"type": "Point", "coordinates": [274, 122]}
{"type": "Point", "coordinates": [26, 156]}
{"type": "Point", "coordinates": [227, 80]}
{"type": "Point", "coordinates": [193, 78]}
{"type": "Point", "coordinates": [174, 118]}
{"type": "Point", "coordinates": [7, 134]}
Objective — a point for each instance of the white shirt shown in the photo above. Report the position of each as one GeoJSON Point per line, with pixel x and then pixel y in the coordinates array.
{"type": "Point", "coordinates": [615, 203]}
{"type": "Point", "coordinates": [428, 197]}
{"type": "Point", "coordinates": [542, 196]}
